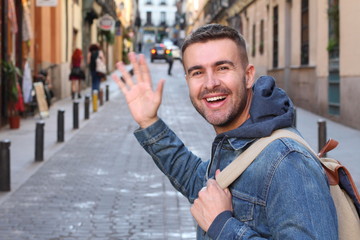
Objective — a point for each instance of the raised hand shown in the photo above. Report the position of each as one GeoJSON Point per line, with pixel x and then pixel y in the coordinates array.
{"type": "Point", "coordinates": [142, 100]}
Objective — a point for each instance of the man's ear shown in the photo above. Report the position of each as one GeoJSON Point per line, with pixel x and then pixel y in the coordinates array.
{"type": "Point", "coordinates": [250, 76]}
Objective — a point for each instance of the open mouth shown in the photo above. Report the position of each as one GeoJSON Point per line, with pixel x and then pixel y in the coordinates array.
{"type": "Point", "coordinates": [215, 99]}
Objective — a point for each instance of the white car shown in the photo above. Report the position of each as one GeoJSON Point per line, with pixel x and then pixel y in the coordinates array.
{"type": "Point", "coordinates": [176, 52]}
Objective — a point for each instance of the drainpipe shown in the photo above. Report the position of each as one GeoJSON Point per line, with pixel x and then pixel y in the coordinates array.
{"type": "Point", "coordinates": [287, 59]}
{"type": "Point", "coordinates": [4, 57]}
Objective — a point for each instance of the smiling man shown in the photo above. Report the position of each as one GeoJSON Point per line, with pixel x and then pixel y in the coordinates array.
{"type": "Point", "coordinates": [219, 83]}
{"type": "Point", "coordinates": [283, 194]}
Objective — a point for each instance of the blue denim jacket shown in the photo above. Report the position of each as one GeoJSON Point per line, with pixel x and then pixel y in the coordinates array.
{"type": "Point", "coordinates": [283, 194]}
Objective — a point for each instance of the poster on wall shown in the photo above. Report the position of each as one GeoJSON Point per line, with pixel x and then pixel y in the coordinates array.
{"type": "Point", "coordinates": [46, 3]}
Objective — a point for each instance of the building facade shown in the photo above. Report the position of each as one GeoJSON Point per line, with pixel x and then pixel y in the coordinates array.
{"type": "Point", "coordinates": [44, 34]}
{"type": "Point", "coordinates": [310, 47]}
{"type": "Point", "coordinates": [158, 18]}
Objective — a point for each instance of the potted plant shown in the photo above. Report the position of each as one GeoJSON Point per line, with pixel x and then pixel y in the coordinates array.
{"type": "Point", "coordinates": [13, 92]}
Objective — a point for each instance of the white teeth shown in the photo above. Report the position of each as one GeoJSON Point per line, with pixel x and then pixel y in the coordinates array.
{"type": "Point", "coordinates": [213, 99]}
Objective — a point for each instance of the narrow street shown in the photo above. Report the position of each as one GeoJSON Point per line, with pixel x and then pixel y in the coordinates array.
{"type": "Point", "coordinates": [102, 185]}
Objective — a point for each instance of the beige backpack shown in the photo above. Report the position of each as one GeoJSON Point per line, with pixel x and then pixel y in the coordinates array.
{"type": "Point", "coordinates": [342, 187]}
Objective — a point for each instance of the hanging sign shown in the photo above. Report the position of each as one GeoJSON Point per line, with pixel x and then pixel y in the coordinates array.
{"type": "Point", "coordinates": [106, 22]}
{"type": "Point", "coordinates": [46, 3]}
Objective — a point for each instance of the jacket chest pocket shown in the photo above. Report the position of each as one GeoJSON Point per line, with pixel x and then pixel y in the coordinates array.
{"type": "Point", "coordinates": [244, 210]}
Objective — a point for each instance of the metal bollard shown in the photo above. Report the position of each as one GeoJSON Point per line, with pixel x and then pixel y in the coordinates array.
{"type": "Point", "coordinates": [5, 165]}
{"type": "Point", "coordinates": [39, 141]}
{"type": "Point", "coordinates": [101, 97]}
{"type": "Point", "coordinates": [321, 134]}
{"type": "Point", "coordinates": [95, 100]}
{"type": "Point", "coordinates": [87, 107]}
{"type": "Point", "coordinates": [107, 93]}
{"type": "Point", "coordinates": [75, 114]}
{"type": "Point", "coordinates": [60, 125]}
{"type": "Point", "coordinates": [294, 122]}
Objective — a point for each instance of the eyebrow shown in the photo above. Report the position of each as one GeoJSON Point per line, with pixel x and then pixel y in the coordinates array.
{"type": "Point", "coordinates": [189, 70]}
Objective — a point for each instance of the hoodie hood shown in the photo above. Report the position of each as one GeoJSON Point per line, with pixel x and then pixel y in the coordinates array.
{"type": "Point", "coordinates": [270, 109]}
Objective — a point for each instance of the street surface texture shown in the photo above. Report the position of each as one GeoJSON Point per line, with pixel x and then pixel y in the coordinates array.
{"type": "Point", "coordinates": [103, 185]}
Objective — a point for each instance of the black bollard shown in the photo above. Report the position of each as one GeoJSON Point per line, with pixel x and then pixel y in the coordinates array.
{"type": "Point", "coordinates": [87, 107]}
{"type": "Point", "coordinates": [101, 97]}
{"type": "Point", "coordinates": [39, 141]}
{"type": "Point", "coordinates": [107, 93]}
{"type": "Point", "coordinates": [5, 165]}
{"type": "Point", "coordinates": [321, 134]}
{"type": "Point", "coordinates": [294, 121]}
{"type": "Point", "coordinates": [60, 126]}
{"type": "Point", "coordinates": [75, 114]}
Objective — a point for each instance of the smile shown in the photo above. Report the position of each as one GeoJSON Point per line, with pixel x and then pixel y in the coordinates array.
{"type": "Point", "coordinates": [215, 99]}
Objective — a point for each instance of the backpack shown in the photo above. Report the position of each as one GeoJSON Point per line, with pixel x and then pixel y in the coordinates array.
{"type": "Point", "coordinates": [342, 187]}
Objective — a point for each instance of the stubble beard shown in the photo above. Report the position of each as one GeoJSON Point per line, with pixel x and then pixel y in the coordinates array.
{"type": "Point", "coordinates": [218, 119]}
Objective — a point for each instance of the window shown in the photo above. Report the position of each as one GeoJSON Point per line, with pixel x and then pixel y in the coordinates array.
{"type": "Point", "coordinates": [253, 50]}
{"type": "Point", "coordinates": [148, 2]}
{"type": "Point", "coordinates": [275, 37]}
{"type": "Point", "coordinates": [163, 2]}
{"type": "Point", "coordinates": [163, 18]}
{"type": "Point", "coordinates": [261, 44]}
{"type": "Point", "coordinates": [148, 18]}
{"type": "Point", "coordinates": [304, 32]}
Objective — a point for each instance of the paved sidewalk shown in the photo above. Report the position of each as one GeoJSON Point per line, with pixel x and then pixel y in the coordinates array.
{"type": "Point", "coordinates": [100, 184]}
{"type": "Point", "coordinates": [22, 148]}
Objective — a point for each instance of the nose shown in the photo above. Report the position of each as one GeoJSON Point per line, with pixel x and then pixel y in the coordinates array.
{"type": "Point", "coordinates": [212, 81]}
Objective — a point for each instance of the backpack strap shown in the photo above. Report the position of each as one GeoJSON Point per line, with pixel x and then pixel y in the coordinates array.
{"type": "Point", "coordinates": [243, 161]}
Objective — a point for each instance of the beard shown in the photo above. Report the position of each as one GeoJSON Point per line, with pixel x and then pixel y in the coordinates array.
{"type": "Point", "coordinates": [224, 116]}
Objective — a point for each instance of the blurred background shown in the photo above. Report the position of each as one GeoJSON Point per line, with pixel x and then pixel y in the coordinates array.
{"type": "Point", "coordinates": [310, 47]}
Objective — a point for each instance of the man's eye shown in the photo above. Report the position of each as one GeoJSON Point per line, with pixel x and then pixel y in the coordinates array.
{"type": "Point", "coordinates": [221, 68]}
{"type": "Point", "coordinates": [196, 73]}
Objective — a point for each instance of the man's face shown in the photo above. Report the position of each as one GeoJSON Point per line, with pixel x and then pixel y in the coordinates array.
{"type": "Point", "coordinates": [218, 82]}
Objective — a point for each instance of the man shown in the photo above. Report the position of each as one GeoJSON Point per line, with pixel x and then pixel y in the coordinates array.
{"type": "Point", "coordinates": [170, 60]}
{"type": "Point", "coordinates": [283, 194]}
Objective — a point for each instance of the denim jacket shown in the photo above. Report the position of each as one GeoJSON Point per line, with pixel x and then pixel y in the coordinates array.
{"type": "Point", "coordinates": [283, 194]}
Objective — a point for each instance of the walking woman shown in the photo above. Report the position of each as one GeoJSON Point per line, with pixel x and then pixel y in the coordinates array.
{"type": "Point", "coordinates": [77, 74]}
{"type": "Point", "coordinates": [94, 53]}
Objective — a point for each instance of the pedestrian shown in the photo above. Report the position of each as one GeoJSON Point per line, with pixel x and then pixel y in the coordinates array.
{"type": "Point", "coordinates": [170, 60]}
{"type": "Point", "coordinates": [283, 194]}
{"type": "Point", "coordinates": [94, 53]}
{"type": "Point", "coordinates": [76, 74]}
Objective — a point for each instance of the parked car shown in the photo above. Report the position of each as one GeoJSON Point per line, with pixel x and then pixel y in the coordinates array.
{"type": "Point", "coordinates": [176, 52]}
{"type": "Point", "coordinates": [159, 51]}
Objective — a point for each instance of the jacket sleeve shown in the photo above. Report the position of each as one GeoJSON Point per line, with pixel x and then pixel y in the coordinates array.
{"type": "Point", "coordinates": [184, 169]}
{"type": "Point", "coordinates": [298, 204]}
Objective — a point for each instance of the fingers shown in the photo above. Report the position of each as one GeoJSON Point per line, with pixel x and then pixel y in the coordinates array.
{"type": "Point", "coordinates": [144, 69]}
{"type": "Point", "coordinates": [119, 82]}
{"type": "Point", "coordinates": [135, 64]}
{"type": "Point", "coordinates": [217, 172]}
{"type": "Point", "coordinates": [160, 87]}
{"type": "Point", "coordinates": [126, 77]}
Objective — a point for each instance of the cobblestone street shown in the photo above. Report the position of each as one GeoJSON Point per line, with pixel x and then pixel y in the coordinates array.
{"type": "Point", "coordinates": [103, 185]}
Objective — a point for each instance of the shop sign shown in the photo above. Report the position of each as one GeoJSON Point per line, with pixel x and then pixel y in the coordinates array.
{"type": "Point", "coordinates": [46, 3]}
{"type": "Point", "coordinates": [106, 22]}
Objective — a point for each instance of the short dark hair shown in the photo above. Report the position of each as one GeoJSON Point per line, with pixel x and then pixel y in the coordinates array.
{"type": "Point", "coordinates": [94, 47]}
{"type": "Point", "coordinates": [215, 32]}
